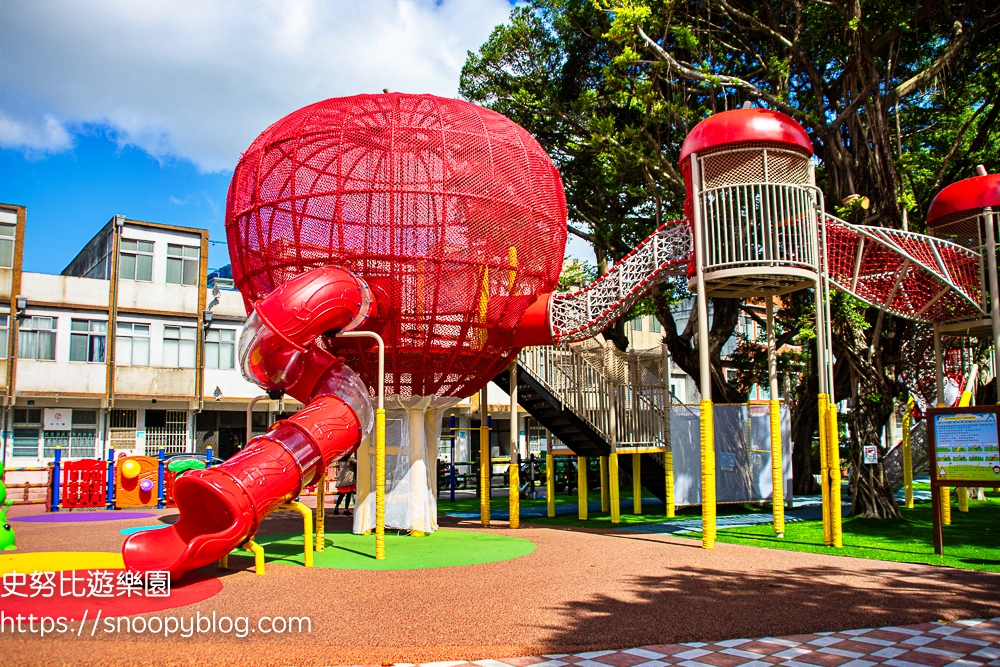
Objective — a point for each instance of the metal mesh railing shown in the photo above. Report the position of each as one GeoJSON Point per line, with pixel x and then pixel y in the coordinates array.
{"type": "Point", "coordinates": [759, 224]}
{"type": "Point", "coordinates": [753, 162]}
{"type": "Point", "coordinates": [585, 313]}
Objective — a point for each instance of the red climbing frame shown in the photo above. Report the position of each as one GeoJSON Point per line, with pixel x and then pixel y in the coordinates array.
{"type": "Point", "coordinates": [84, 483]}
{"type": "Point", "coordinates": [453, 215]}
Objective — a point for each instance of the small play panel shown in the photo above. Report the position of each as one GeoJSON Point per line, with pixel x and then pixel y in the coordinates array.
{"type": "Point", "coordinates": [443, 548]}
{"type": "Point", "coordinates": [77, 517]}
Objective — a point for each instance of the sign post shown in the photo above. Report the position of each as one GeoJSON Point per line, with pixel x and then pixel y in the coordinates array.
{"type": "Point", "coordinates": [964, 451]}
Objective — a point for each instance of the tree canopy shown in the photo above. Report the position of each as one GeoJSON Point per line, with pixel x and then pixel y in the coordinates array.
{"type": "Point", "coordinates": [898, 97]}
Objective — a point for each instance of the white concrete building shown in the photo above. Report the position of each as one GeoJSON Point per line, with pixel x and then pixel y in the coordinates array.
{"type": "Point", "coordinates": [131, 347]}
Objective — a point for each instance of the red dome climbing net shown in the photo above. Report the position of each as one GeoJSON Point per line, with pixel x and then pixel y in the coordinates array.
{"type": "Point", "coordinates": [453, 214]}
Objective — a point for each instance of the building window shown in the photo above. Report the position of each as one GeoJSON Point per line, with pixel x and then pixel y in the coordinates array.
{"type": "Point", "coordinates": [136, 261]}
{"type": "Point", "coordinates": [220, 349]}
{"type": "Point", "coordinates": [27, 427]}
{"type": "Point", "coordinates": [78, 443]}
{"type": "Point", "coordinates": [7, 245]}
{"type": "Point", "coordinates": [37, 338]}
{"type": "Point", "coordinates": [122, 429]}
{"type": "Point", "coordinates": [4, 332]}
{"type": "Point", "coordinates": [179, 347]}
{"type": "Point", "coordinates": [132, 344]}
{"type": "Point", "coordinates": [182, 264]}
{"type": "Point", "coordinates": [166, 429]}
{"type": "Point", "coordinates": [654, 324]}
{"type": "Point", "coordinates": [88, 340]}
{"type": "Point", "coordinates": [637, 324]}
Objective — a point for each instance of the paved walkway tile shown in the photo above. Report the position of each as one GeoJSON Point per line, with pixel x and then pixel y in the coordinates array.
{"type": "Point", "coordinates": [971, 643]}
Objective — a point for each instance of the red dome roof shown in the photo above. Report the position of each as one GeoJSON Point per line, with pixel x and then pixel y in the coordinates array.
{"type": "Point", "coordinates": [453, 214]}
{"type": "Point", "coordinates": [970, 194]}
{"type": "Point", "coordinates": [743, 125]}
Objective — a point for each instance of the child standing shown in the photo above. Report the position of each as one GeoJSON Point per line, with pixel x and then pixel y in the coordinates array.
{"type": "Point", "coordinates": [346, 484]}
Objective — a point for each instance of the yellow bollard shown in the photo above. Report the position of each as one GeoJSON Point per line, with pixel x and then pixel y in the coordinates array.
{"type": "Point", "coordinates": [581, 487]}
{"type": "Point", "coordinates": [668, 466]}
{"type": "Point", "coordinates": [963, 498]}
{"type": "Point", "coordinates": [833, 442]}
{"type": "Point", "coordinates": [307, 535]}
{"type": "Point", "coordinates": [637, 483]}
{"type": "Point", "coordinates": [945, 505]}
{"type": "Point", "coordinates": [824, 468]}
{"type": "Point", "coordinates": [908, 455]}
{"type": "Point", "coordinates": [707, 419]}
{"type": "Point", "coordinates": [616, 509]}
{"type": "Point", "coordinates": [605, 491]}
{"type": "Point", "coordinates": [550, 485]}
{"type": "Point", "coordinates": [380, 484]}
{"type": "Point", "coordinates": [320, 544]}
{"type": "Point", "coordinates": [224, 562]}
{"type": "Point", "coordinates": [777, 470]}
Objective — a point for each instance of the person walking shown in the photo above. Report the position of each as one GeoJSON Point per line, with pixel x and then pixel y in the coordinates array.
{"type": "Point", "coordinates": [346, 484]}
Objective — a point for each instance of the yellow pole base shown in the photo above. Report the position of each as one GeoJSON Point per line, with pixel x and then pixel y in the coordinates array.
{"type": "Point", "coordinates": [616, 509]}
{"type": "Point", "coordinates": [963, 498]}
{"type": "Point", "coordinates": [945, 505]}
{"type": "Point", "coordinates": [637, 483]}
{"type": "Point", "coordinates": [258, 556]}
{"type": "Point", "coordinates": [668, 464]}
{"type": "Point", "coordinates": [777, 470]}
{"type": "Point", "coordinates": [224, 562]}
{"type": "Point", "coordinates": [514, 496]}
{"type": "Point", "coordinates": [380, 484]}
{"type": "Point", "coordinates": [706, 418]}
{"type": "Point", "coordinates": [550, 485]}
{"type": "Point", "coordinates": [307, 536]}
{"type": "Point", "coordinates": [581, 487]}
{"type": "Point", "coordinates": [605, 491]}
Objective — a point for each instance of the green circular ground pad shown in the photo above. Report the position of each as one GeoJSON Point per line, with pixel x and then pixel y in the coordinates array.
{"type": "Point", "coordinates": [443, 548]}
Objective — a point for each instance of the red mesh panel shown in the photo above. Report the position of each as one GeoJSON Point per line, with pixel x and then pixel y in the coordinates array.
{"type": "Point", "coordinates": [453, 214]}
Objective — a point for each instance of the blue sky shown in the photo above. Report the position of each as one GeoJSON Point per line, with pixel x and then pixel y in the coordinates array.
{"type": "Point", "coordinates": [72, 193]}
{"type": "Point", "coordinates": [142, 109]}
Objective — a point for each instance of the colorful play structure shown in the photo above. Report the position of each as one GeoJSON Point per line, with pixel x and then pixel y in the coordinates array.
{"type": "Point", "coordinates": [419, 240]}
{"type": "Point", "coordinates": [406, 248]}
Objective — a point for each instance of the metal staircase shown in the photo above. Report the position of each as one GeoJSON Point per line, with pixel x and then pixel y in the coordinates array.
{"type": "Point", "coordinates": [594, 398]}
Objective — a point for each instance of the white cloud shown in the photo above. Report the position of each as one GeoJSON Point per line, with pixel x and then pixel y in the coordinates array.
{"type": "Point", "coordinates": [45, 134]}
{"type": "Point", "coordinates": [200, 79]}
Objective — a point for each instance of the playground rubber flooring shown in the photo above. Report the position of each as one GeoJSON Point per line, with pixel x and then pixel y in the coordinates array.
{"type": "Point", "coordinates": [576, 592]}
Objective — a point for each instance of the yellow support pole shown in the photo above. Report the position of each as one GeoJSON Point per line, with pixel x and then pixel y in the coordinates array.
{"type": "Point", "coordinates": [908, 455]}
{"type": "Point", "coordinates": [777, 467]}
{"type": "Point", "coordinates": [777, 470]}
{"type": "Point", "coordinates": [320, 544]}
{"type": "Point", "coordinates": [485, 464]}
{"type": "Point", "coordinates": [550, 477]}
{"type": "Point", "coordinates": [707, 419]}
{"type": "Point", "coordinates": [380, 484]}
{"type": "Point", "coordinates": [963, 498]}
{"type": "Point", "coordinates": [605, 491]}
{"type": "Point", "coordinates": [581, 487]}
{"type": "Point", "coordinates": [668, 466]}
{"type": "Point", "coordinates": [258, 556]}
{"type": "Point", "coordinates": [637, 483]}
{"type": "Point", "coordinates": [945, 505]}
{"type": "Point", "coordinates": [307, 534]}
{"type": "Point", "coordinates": [824, 467]}
{"type": "Point", "coordinates": [514, 470]}
{"type": "Point", "coordinates": [836, 511]}
{"type": "Point", "coordinates": [613, 485]}
{"type": "Point", "coordinates": [224, 562]}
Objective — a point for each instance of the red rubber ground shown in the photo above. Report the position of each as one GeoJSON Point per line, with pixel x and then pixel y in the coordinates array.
{"type": "Point", "coordinates": [577, 591]}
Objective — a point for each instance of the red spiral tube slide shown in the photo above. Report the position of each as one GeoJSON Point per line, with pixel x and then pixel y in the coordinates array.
{"type": "Point", "coordinates": [221, 507]}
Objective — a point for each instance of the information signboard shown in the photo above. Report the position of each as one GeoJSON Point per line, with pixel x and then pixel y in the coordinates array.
{"type": "Point", "coordinates": [964, 448]}
{"type": "Point", "coordinates": [967, 447]}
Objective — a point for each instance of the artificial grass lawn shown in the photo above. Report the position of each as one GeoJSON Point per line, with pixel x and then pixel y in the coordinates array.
{"type": "Point", "coordinates": [971, 542]}
{"type": "Point", "coordinates": [443, 548]}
